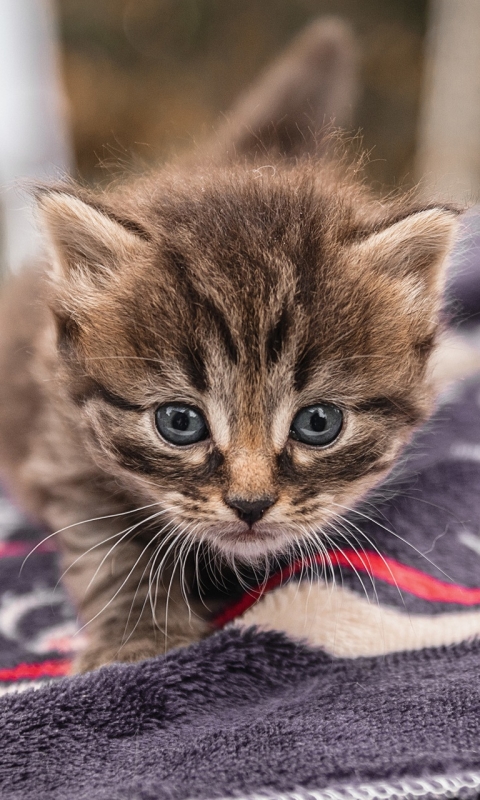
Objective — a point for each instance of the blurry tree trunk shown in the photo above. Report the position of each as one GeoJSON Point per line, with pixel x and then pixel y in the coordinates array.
{"type": "Point", "coordinates": [448, 160]}
{"type": "Point", "coordinates": [34, 144]}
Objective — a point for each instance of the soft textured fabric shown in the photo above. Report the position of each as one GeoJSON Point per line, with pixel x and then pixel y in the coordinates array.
{"type": "Point", "coordinates": [239, 713]}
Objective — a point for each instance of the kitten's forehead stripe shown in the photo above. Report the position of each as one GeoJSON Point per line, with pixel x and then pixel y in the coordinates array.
{"type": "Point", "coordinates": [195, 366]}
{"type": "Point", "coordinates": [203, 306]}
{"type": "Point", "coordinates": [218, 320]}
{"type": "Point", "coordinates": [277, 337]}
{"type": "Point", "coordinates": [305, 366]}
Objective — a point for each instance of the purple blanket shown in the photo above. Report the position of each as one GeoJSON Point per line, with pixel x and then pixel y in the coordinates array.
{"type": "Point", "coordinates": [260, 714]}
{"type": "Point", "coordinates": [250, 715]}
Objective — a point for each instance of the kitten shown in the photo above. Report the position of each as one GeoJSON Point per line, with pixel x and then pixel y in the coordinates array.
{"type": "Point", "coordinates": [232, 356]}
{"type": "Point", "coordinates": [220, 357]}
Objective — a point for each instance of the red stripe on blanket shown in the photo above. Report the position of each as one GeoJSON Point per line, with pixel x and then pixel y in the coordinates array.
{"type": "Point", "coordinates": [32, 672]}
{"type": "Point", "coordinates": [11, 549]}
{"type": "Point", "coordinates": [408, 579]}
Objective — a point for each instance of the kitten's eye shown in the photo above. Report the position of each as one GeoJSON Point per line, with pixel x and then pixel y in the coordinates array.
{"type": "Point", "coordinates": [317, 425]}
{"type": "Point", "coordinates": [180, 424]}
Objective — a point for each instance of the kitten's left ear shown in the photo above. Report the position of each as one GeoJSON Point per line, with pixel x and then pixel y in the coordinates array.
{"type": "Point", "coordinates": [87, 242]}
{"type": "Point", "coordinates": [413, 249]}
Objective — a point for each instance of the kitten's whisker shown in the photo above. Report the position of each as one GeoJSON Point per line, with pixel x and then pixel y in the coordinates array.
{"type": "Point", "coordinates": [90, 549]}
{"type": "Point", "coordinates": [156, 572]}
{"type": "Point", "coordinates": [129, 531]}
{"type": "Point", "coordinates": [132, 604]}
{"type": "Point", "coordinates": [188, 542]}
{"type": "Point", "coordinates": [381, 620]}
{"type": "Point", "coordinates": [326, 558]}
{"type": "Point", "coordinates": [132, 570]}
{"type": "Point", "coordinates": [178, 563]}
{"type": "Point", "coordinates": [198, 578]}
{"type": "Point", "coordinates": [231, 560]}
{"type": "Point", "coordinates": [362, 558]}
{"type": "Point", "coordinates": [307, 545]}
{"type": "Point", "coordinates": [202, 544]}
{"type": "Point", "coordinates": [157, 549]}
{"type": "Point", "coordinates": [314, 546]}
{"type": "Point", "coordinates": [397, 536]}
{"type": "Point", "coordinates": [214, 564]}
{"type": "Point", "coordinates": [109, 602]}
{"type": "Point", "coordinates": [316, 537]}
{"type": "Point", "coordinates": [319, 540]}
{"type": "Point", "coordinates": [264, 574]}
{"type": "Point", "coordinates": [147, 597]}
{"type": "Point", "coordinates": [418, 499]}
{"type": "Point", "coordinates": [83, 522]}
{"type": "Point", "coordinates": [209, 556]}
{"type": "Point", "coordinates": [124, 534]}
{"type": "Point", "coordinates": [345, 522]}
{"type": "Point", "coordinates": [169, 590]}
{"type": "Point", "coordinates": [310, 557]}
{"type": "Point", "coordinates": [184, 553]}
{"type": "Point", "coordinates": [238, 575]}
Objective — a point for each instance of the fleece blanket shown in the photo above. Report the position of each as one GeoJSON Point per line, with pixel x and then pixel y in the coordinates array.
{"type": "Point", "coordinates": [347, 675]}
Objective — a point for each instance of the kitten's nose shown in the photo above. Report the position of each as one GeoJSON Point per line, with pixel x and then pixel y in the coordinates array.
{"type": "Point", "coordinates": [250, 511]}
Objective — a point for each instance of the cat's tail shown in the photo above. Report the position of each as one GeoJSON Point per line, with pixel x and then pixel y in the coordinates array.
{"type": "Point", "coordinates": [309, 89]}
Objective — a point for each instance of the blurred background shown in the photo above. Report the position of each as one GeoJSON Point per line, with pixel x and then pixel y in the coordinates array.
{"type": "Point", "coordinates": [150, 75]}
{"type": "Point", "coordinates": [93, 87]}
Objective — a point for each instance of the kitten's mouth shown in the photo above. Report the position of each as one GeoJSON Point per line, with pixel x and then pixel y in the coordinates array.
{"type": "Point", "coordinates": [244, 541]}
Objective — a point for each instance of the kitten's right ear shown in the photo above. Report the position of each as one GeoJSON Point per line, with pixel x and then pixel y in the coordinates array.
{"type": "Point", "coordinates": [413, 249]}
{"type": "Point", "coordinates": [85, 240]}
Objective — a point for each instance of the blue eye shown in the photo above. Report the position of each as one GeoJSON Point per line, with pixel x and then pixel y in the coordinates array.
{"type": "Point", "coordinates": [180, 424]}
{"type": "Point", "coordinates": [317, 425]}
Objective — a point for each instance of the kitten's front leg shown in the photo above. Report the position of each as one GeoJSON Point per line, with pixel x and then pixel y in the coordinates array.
{"type": "Point", "coordinates": [128, 614]}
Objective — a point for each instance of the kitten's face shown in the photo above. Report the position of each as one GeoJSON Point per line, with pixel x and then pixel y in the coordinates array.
{"type": "Point", "coordinates": [246, 352]}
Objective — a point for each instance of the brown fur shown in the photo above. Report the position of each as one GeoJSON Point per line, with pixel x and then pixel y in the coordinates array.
{"type": "Point", "coordinates": [249, 292]}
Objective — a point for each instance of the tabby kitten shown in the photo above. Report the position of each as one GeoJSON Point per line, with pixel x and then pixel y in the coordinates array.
{"type": "Point", "coordinates": [216, 358]}
{"type": "Point", "coordinates": [228, 358]}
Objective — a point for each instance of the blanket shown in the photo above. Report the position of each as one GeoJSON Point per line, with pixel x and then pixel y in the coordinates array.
{"type": "Point", "coordinates": [351, 675]}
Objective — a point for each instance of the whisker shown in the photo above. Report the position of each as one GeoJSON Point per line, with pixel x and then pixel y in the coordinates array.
{"type": "Point", "coordinates": [132, 604]}
{"type": "Point", "coordinates": [313, 534]}
{"type": "Point", "coordinates": [185, 550]}
{"type": "Point", "coordinates": [367, 570]}
{"type": "Point", "coordinates": [126, 532]}
{"type": "Point", "coordinates": [157, 549]}
{"type": "Point", "coordinates": [307, 544]}
{"type": "Point", "coordinates": [347, 522]}
{"type": "Point", "coordinates": [332, 545]}
{"type": "Point", "coordinates": [396, 535]}
{"type": "Point", "coordinates": [156, 572]}
{"type": "Point", "coordinates": [84, 522]}
{"type": "Point", "coordinates": [132, 570]}
{"type": "Point", "coordinates": [129, 531]}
